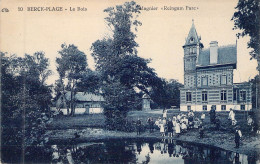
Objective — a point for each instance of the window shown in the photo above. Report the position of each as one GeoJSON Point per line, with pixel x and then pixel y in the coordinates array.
{"type": "Point", "coordinates": [204, 96]}
{"type": "Point", "coordinates": [242, 107]}
{"type": "Point", "coordinates": [243, 95]}
{"type": "Point", "coordinates": [223, 95]}
{"type": "Point", "coordinates": [223, 107]}
{"type": "Point", "coordinates": [188, 96]}
{"type": "Point", "coordinates": [235, 94]}
{"type": "Point", "coordinates": [204, 107]}
{"type": "Point", "coordinates": [204, 81]}
{"type": "Point", "coordinates": [191, 40]}
{"type": "Point", "coordinates": [191, 50]}
{"type": "Point", "coordinates": [223, 79]}
{"type": "Point", "coordinates": [188, 108]}
{"type": "Point", "coordinates": [194, 50]}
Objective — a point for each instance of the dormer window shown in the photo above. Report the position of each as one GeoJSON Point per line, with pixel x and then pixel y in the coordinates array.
{"type": "Point", "coordinates": [191, 40]}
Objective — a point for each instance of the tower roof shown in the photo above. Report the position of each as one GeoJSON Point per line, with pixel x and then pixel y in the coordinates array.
{"type": "Point", "coordinates": [193, 37]}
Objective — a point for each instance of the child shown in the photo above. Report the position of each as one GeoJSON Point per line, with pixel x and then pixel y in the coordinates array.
{"type": "Point", "coordinates": [185, 120]}
{"type": "Point", "coordinates": [162, 131]}
{"type": "Point", "coordinates": [157, 122]}
{"type": "Point", "coordinates": [177, 129]}
{"type": "Point", "coordinates": [174, 121]}
{"type": "Point", "coordinates": [151, 125]}
{"type": "Point", "coordinates": [190, 117]}
{"type": "Point", "coordinates": [138, 126]}
{"type": "Point", "coordinates": [201, 131]}
{"type": "Point", "coordinates": [250, 123]}
{"type": "Point", "coordinates": [238, 135]}
{"type": "Point", "coordinates": [183, 127]}
{"type": "Point", "coordinates": [196, 123]}
{"type": "Point", "coordinates": [202, 117]}
{"type": "Point", "coordinates": [170, 127]}
{"type": "Point", "coordinates": [164, 121]}
{"type": "Point", "coordinates": [249, 120]}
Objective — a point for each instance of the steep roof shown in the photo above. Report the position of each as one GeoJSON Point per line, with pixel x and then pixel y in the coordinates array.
{"type": "Point", "coordinates": [192, 34]}
{"type": "Point", "coordinates": [226, 55]}
{"type": "Point", "coordinates": [81, 96]}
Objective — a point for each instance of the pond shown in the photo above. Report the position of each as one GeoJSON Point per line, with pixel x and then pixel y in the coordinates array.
{"type": "Point", "coordinates": [135, 151]}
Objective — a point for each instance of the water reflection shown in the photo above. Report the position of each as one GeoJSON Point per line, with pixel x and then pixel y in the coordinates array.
{"type": "Point", "coordinates": [151, 151]}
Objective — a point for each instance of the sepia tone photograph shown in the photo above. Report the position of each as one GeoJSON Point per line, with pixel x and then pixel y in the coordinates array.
{"type": "Point", "coordinates": [138, 81]}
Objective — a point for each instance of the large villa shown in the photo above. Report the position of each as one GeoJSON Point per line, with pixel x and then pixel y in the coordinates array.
{"type": "Point", "coordinates": [208, 77]}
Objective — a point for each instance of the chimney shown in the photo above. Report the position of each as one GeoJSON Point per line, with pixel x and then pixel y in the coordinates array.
{"type": "Point", "coordinates": [213, 52]}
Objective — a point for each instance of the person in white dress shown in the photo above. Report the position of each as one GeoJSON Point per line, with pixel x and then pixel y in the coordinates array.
{"type": "Point", "coordinates": [174, 121]}
{"type": "Point", "coordinates": [162, 130]}
{"type": "Point", "coordinates": [177, 129]}
{"type": "Point", "coordinates": [231, 115]}
{"type": "Point", "coordinates": [164, 121]}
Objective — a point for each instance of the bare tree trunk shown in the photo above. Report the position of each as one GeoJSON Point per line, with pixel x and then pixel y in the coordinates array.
{"type": "Point", "coordinates": [64, 98]}
{"type": "Point", "coordinates": [73, 94]}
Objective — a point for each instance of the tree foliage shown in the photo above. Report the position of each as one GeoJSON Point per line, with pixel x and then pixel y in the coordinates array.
{"type": "Point", "coordinates": [90, 82]}
{"type": "Point", "coordinates": [123, 72]}
{"type": "Point", "coordinates": [247, 18]}
{"type": "Point", "coordinates": [254, 83]}
{"type": "Point", "coordinates": [167, 94]}
{"type": "Point", "coordinates": [71, 67]}
{"type": "Point", "coordinates": [25, 99]}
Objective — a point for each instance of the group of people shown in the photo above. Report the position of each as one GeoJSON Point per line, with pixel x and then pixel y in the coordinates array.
{"type": "Point", "coordinates": [183, 122]}
{"type": "Point", "coordinates": [179, 124]}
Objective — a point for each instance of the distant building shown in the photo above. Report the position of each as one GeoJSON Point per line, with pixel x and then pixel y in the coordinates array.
{"type": "Point", "coordinates": [85, 102]}
{"type": "Point", "coordinates": [146, 100]}
{"type": "Point", "coordinates": [208, 77]}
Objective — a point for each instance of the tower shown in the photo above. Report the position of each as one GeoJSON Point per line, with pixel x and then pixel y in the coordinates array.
{"type": "Point", "coordinates": [192, 48]}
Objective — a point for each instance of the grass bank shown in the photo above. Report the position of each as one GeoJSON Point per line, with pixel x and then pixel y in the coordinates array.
{"type": "Point", "coordinates": [63, 128]}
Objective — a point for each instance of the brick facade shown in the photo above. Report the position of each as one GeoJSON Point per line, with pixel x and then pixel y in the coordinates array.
{"type": "Point", "coordinates": [208, 77]}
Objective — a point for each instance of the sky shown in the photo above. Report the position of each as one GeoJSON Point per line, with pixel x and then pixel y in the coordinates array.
{"type": "Point", "coordinates": [160, 37]}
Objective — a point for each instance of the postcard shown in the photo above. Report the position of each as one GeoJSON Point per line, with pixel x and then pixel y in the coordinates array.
{"type": "Point", "coordinates": [139, 81]}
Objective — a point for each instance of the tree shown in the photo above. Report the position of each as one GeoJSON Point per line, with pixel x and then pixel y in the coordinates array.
{"type": "Point", "coordinates": [71, 66]}
{"type": "Point", "coordinates": [25, 103]}
{"type": "Point", "coordinates": [254, 83]}
{"type": "Point", "coordinates": [247, 18]}
{"type": "Point", "coordinates": [90, 82]}
{"type": "Point", "coordinates": [122, 71]}
{"type": "Point", "coordinates": [43, 64]}
{"type": "Point", "coordinates": [167, 93]}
